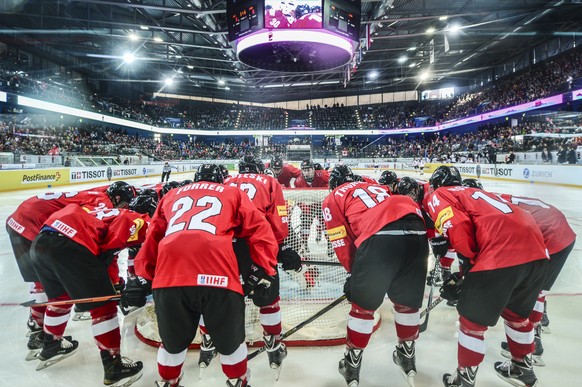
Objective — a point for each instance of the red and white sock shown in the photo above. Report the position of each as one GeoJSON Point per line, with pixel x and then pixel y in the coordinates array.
{"type": "Point", "coordinates": [105, 327]}
{"type": "Point", "coordinates": [360, 327]}
{"type": "Point", "coordinates": [170, 365]}
{"type": "Point", "coordinates": [471, 344]}
{"type": "Point", "coordinates": [270, 316]}
{"type": "Point", "coordinates": [407, 321]}
{"type": "Point", "coordinates": [57, 317]}
{"type": "Point", "coordinates": [520, 335]}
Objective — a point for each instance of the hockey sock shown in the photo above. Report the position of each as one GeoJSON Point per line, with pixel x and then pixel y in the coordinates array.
{"type": "Point", "coordinates": [270, 316]}
{"type": "Point", "coordinates": [520, 334]}
{"type": "Point", "coordinates": [447, 261]}
{"type": "Point", "coordinates": [234, 365]}
{"type": "Point", "coordinates": [203, 330]}
{"type": "Point", "coordinates": [471, 345]}
{"type": "Point", "coordinates": [360, 326]}
{"type": "Point", "coordinates": [538, 311]}
{"type": "Point", "coordinates": [38, 295]}
{"type": "Point", "coordinates": [170, 365]}
{"type": "Point", "coordinates": [407, 321]}
{"type": "Point", "coordinates": [105, 327]}
{"type": "Point", "coordinates": [56, 317]}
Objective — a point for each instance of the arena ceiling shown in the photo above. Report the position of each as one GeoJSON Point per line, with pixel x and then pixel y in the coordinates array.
{"type": "Point", "coordinates": [187, 40]}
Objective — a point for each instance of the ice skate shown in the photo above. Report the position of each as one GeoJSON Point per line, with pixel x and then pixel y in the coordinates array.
{"type": "Point", "coordinates": [55, 351]}
{"type": "Point", "coordinates": [349, 366]}
{"type": "Point", "coordinates": [207, 353]}
{"type": "Point", "coordinates": [167, 383]}
{"type": "Point", "coordinates": [240, 382]}
{"type": "Point", "coordinates": [80, 316]}
{"type": "Point", "coordinates": [35, 340]}
{"type": "Point", "coordinates": [517, 373]}
{"type": "Point", "coordinates": [276, 351]}
{"type": "Point", "coordinates": [404, 358]}
{"type": "Point", "coordinates": [120, 371]}
{"type": "Point", "coordinates": [461, 378]}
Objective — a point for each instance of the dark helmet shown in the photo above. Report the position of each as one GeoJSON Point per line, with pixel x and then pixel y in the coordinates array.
{"type": "Point", "coordinates": [151, 193]}
{"type": "Point", "coordinates": [223, 170]}
{"type": "Point", "coordinates": [144, 204]}
{"type": "Point", "coordinates": [409, 187]}
{"type": "Point", "coordinates": [318, 167]}
{"type": "Point", "coordinates": [169, 186]}
{"type": "Point", "coordinates": [473, 183]}
{"type": "Point", "coordinates": [340, 175]}
{"type": "Point", "coordinates": [276, 161]}
{"type": "Point", "coordinates": [250, 164]}
{"type": "Point", "coordinates": [388, 178]}
{"type": "Point", "coordinates": [209, 172]}
{"type": "Point", "coordinates": [269, 172]}
{"type": "Point", "coordinates": [120, 193]}
{"type": "Point", "coordinates": [307, 163]}
{"type": "Point", "coordinates": [445, 176]}
{"type": "Point", "coordinates": [308, 170]}
{"type": "Point", "coordinates": [185, 182]}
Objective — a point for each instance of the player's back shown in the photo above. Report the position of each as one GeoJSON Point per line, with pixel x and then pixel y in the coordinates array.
{"type": "Point", "coordinates": [33, 212]}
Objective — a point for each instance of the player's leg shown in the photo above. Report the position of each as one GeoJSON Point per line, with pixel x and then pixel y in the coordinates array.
{"type": "Point", "coordinates": [178, 318]}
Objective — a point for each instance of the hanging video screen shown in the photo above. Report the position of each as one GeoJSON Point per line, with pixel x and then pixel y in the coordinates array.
{"type": "Point", "coordinates": [243, 17]}
{"type": "Point", "coordinates": [343, 17]}
{"type": "Point", "coordinates": [300, 14]}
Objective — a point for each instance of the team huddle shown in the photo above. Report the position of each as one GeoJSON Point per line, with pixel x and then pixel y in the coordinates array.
{"type": "Point", "coordinates": [237, 233]}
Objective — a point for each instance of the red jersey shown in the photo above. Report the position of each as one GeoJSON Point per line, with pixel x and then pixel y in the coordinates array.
{"type": "Point", "coordinates": [275, 19]}
{"type": "Point", "coordinates": [99, 229]}
{"type": "Point", "coordinates": [189, 240]}
{"type": "Point", "coordinates": [353, 212]}
{"type": "Point", "coordinates": [266, 194]}
{"type": "Point", "coordinates": [320, 180]}
{"type": "Point", "coordinates": [33, 212]}
{"type": "Point", "coordinates": [156, 187]}
{"type": "Point", "coordinates": [287, 173]}
{"type": "Point", "coordinates": [492, 233]}
{"type": "Point", "coordinates": [309, 21]}
{"type": "Point", "coordinates": [366, 179]}
{"type": "Point", "coordinates": [552, 223]}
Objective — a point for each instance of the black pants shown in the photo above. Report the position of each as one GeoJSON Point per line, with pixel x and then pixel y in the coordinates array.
{"type": "Point", "coordinates": [64, 266]}
{"type": "Point", "coordinates": [21, 249]}
{"type": "Point", "coordinates": [557, 261]}
{"type": "Point", "coordinates": [166, 175]}
{"type": "Point", "coordinates": [392, 264]}
{"type": "Point", "coordinates": [179, 309]}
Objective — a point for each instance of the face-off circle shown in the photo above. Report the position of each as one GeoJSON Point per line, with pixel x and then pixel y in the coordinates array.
{"type": "Point", "coordinates": [294, 50]}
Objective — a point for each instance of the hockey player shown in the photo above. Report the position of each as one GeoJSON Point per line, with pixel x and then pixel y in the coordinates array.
{"type": "Point", "coordinates": [24, 225]}
{"type": "Point", "coordinates": [188, 255]}
{"type": "Point", "coordinates": [473, 183]}
{"type": "Point", "coordinates": [266, 194]}
{"type": "Point", "coordinates": [286, 173]}
{"type": "Point", "coordinates": [503, 262]}
{"type": "Point", "coordinates": [310, 177]}
{"type": "Point", "coordinates": [559, 239]}
{"type": "Point", "coordinates": [380, 239]}
{"type": "Point", "coordinates": [71, 255]}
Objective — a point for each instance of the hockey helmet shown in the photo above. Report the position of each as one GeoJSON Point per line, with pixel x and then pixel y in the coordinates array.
{"type": "Point", "coordinates": [409, 187]}
{"type": "Point", "coordinates": [169, 186]}
{"type": "Point", "coordinates": [223, 170]}
{"type": "Point", "coordinates": [308, 170]}
{"type": "Point", "coordinates": [120, 193]}
{"type": "Point", "coordinates": [151, 193]}
{"type": "Point", "coordinates": [185, 182]}
{"type": "Point", "coordinates": [251, 164]}
{"type": "Point", "coordinates": [445, 176]}
{"type": "Point", "coordinates": [144, 204]}
{"type": "Point", "coordinates": [340, 175]}
{"type": "Point", "coordinates": [209, 172]}
{"type": "Point", "coordinates": [473, 183]}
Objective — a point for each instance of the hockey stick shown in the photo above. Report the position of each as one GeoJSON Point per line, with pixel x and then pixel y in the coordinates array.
{"type": "Point", "coordinates": [431, 306]}
{"type": "Point", "coordinates": [301, 324]}
{"type": "Point", "coordinates": [435, 273]}
{"type": "Point", "coordinates": [321, 263]}
{"type": "Point", "coordinates": [114, 297]}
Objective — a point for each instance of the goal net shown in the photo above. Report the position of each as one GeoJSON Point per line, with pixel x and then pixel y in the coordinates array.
{"type": "Point", "coordinates": [302, 294]}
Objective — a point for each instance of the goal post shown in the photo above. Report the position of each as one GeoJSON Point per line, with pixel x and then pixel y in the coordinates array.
{"type": "Point", "coordinates": [302, 294]}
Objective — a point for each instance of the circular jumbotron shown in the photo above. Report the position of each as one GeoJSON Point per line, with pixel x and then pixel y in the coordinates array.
{"type": "Point", "coordinates": [294, 50]}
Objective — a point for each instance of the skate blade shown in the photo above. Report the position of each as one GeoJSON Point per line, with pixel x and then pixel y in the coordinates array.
{"type": "Point", "coordinates": [53, 360]}
{"type": "Point", "coordinates": [82, 316]}
{"type": "Point", "coordinates": [32, 354]}
{"type": "Point", "coordinates": [202, 372]}
{"type": "Point", "coordinates": [409, 377]}
{"type": "Point", "coordinates": [354, 383]}
{"type": "Point", "coordinates": [277, 370]}
{"type": "Point", "coordinates": [506, 354]}
{"type": "Point", "coordinates": [546, 330]}
{"type": "Point", "coordinates": [538, 361]}
{"type": "Point", "coordinates": [126, 382]}
{"type": "Point", "coordinates": [515, 382]}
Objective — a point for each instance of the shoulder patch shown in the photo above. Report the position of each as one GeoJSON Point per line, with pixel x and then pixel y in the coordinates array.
{"type": "Point", "coordinates": [337, 233]}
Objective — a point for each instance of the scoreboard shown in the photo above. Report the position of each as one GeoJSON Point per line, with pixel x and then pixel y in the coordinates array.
{"type": "Point", "coordinates": [244, 17]}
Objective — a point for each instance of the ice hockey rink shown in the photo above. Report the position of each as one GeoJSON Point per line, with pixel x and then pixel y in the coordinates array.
{"type": "Point", "coordinates": [309, 366]}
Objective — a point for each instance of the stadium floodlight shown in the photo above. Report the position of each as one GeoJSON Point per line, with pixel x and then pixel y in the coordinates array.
{"type": "Point", "coordinates": [402, 59]}
{"type": "Point", "coordinates": [158, 39]}
{"type": "Point", "coordinates": [424, 75]}
{"type": "Point", "coordinates": [454, 28]}
{"type": "Point", "coordinates": [169, 81]}
{"type": "Point", "coordinates": [128, 57]}
{"type": "Point", "coordinates": [430, 30]}
{"type": "Point", "coordinates": [133, 36]}
{"type": "Point", "coordinates": [373, 74]}
{"type": "Point", "coordinates": [221, 82]}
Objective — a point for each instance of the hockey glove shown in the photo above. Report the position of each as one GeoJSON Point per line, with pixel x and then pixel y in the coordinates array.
{"type": "Point", "coordinates": [108, 256]}
{"type": "Point", "coordinates": [135, 292]}
{"type": "Point", "coordinates": [289, 258]}
{"type": "Point", "coordinates": [348, 288]}
{"type": "Point", "coordinates": [258, 281]}
{"type": "Point", "coordinates": [452, 287]}
{"type": "Point", "coordinates": [440, 246]}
